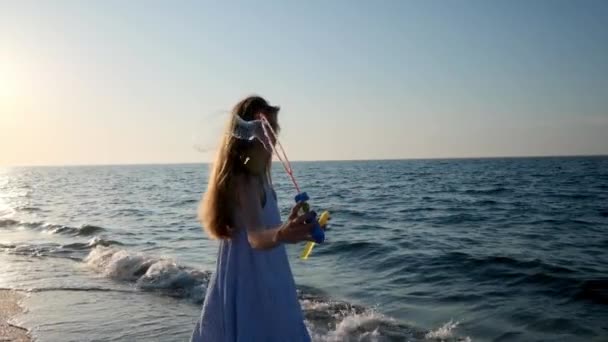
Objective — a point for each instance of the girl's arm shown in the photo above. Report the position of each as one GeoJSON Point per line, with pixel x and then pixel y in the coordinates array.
{"type": "Point", "coordinates": [293, 230]}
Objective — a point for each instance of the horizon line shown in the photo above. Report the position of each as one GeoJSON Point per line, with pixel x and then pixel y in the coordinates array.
{"type": "Point", "coordinates": [320, 160]}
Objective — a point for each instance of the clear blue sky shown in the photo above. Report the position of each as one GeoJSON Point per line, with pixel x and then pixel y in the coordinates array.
{"type": "Point", "coordinates": [85, 82]}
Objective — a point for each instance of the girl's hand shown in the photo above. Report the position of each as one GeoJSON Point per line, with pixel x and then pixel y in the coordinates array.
{"type": "Point", "coordinates": [295, 210]}
{"type": "Point", "coordinates": [297, 228]}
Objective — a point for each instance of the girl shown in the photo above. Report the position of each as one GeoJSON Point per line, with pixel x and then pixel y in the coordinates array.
{"type": "Point", "coordinates": [251, 295]}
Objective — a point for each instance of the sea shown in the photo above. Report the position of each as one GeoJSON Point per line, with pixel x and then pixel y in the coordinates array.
{"type": "Point", "coordinates": [499, 249]}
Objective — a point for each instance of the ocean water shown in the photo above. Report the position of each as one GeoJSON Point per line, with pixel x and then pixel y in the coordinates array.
{"type": "Point", "coordinates": [419, 250]}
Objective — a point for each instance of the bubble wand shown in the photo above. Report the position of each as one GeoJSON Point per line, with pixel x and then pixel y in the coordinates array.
{"type": "Point", "coordinates": [317, 233]}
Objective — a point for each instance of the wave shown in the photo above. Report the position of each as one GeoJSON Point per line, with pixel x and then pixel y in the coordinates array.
{"type": "Point", "coordinates": [77, 289]}
{"type": "Point", "coordinates": [353, 213]}
{"type": "Point", "coordinates": [443, 332]}
{"type": "Point", "coordinates": [85, 230]}
{"type": "Point", "coordinates": [185, 202]}
{"type": "Point", "coordinates": [94, 242]}
{"type": "Point", "coordinates": [80, 231]}
{"type": "Point", "coordinates": [485, 202]}
{"type": "Point", "coordinates": [366, 326]}
{"type": "Point", "coordinates": [371, 325]}
{"type": "Point", "coordinates": [40, 250]}
{"type": "Point", "coordinates": [330, 320]}
{"type": "Point", "coordinates": [29, 209]}
{"type": "Point", "coordinates": [327, 320]}
{"type": "Point", "coordinates": [593, 290]}
{"type": "Point", "coordinates": [359, 248]}
{"type": "Point", "coordinates": [8, 223]}
{"type": "Point", "coordinates": [539, 276]}
{"type": "Point", "coordinates": [74, 251]}
{"type": "Point", "coordinates": [128, 212]}
{"type": "Point", "coordinates": [572, 196]}
{"type": "Point", "coordinates": [468, 260]}
{"type": "Point", "coordinates": [562, 222]}
{"type": "Point", "coordinates": [416, 209]}
{"type": "Point", "coordinates": [67, 289]}
{"type": "Point", "coordinates": [150, 273]}
{"type": "Point", "coordinates": [456, 218]}
{"type": "Point", "coordinates": [490, 191]}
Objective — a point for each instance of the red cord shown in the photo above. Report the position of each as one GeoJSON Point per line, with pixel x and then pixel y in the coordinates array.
{"type": "Point", "coordinates": [283, 159]}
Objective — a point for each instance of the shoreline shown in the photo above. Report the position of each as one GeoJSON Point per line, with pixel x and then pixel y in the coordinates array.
{"type": "Point", "coordinates": [9, 308]}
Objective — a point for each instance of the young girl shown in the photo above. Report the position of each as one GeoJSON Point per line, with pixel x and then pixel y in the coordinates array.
{"type": "Point", "coordinates": [251, 295]}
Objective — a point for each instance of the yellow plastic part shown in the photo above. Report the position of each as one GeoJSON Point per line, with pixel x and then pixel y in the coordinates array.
{"type": "Point", "coordinates": [323, 218]}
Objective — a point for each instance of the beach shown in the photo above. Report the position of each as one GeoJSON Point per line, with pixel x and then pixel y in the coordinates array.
{"type": "Point", "coordinates": [9, 307]}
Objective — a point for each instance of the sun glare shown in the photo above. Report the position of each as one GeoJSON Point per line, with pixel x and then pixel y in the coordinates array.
{"type": "Point", "coordinates": [11, 81]}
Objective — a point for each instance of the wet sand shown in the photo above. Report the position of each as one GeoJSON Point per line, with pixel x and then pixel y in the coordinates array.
{"type": "Point", "coordinates": [9, 307]}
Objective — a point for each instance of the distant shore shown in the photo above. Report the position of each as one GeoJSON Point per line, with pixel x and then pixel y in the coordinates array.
{"type": "Point", "coordinates": [9, 307]}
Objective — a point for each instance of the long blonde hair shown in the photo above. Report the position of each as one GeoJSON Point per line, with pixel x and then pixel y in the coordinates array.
{"type": "Point", "coordinates": [219, 201]}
